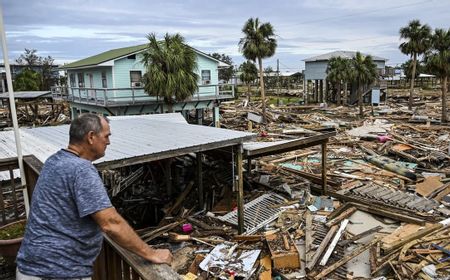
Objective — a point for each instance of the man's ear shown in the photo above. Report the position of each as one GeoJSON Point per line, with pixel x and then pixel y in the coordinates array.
{"type": "Point", "coordinates": [90, 137]}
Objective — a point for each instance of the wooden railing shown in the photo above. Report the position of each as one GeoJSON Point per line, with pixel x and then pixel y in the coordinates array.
{"type": "Point", "coordinates": [135, 95]}
{"type": "Point", "coordinates": [11, 192]}
{"type": "Point", "coordinates": [116, 263]}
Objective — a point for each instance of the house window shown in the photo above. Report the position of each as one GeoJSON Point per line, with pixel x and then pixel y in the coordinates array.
{"type": "Point", "coordinates": [80, 80]}
{"type": "Point", "coordinates": [72, 80]}
{"type": "Point", "coordinates": [135, 78]}
{"type": "Point", "coordinates": [206, 77]}
{"type": "Point", "coordinates": [104, 83]}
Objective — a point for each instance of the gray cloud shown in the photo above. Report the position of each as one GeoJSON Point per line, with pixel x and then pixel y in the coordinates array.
{"type": "Point", "coordinates": [73, 29]}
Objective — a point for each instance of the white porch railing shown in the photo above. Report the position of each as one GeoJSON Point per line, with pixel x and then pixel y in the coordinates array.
{"type": "Point", "coordinates": [130, 96]}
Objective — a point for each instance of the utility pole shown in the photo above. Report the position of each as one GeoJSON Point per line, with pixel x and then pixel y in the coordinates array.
{"type": "Point", "coordinates": [12, 106]}
{"type": "Point", "coordinates": [278, 82]}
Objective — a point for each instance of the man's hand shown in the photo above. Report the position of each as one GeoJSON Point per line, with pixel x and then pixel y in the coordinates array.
{"type": "Point", "coordinates": [161, 256]}
{"type": "Point", "coordinates": [118, 230]}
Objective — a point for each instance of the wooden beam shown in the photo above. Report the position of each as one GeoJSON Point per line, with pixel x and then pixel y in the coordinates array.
{"type": "Point", "coordinates": [201, 202]}
{"type": "Point", "coordinates": [324, 168]}
{"type": "Point", "coordinates": [342, 216]}
{"type": "Point", "coordinates": [312, 177]}
{"type": "Point", "coordinates": [168, 154]}
{"type": "Point", "coordinates": [290, 145]}
{"type": "Point", "coordinates": [308, 237]}
{"type": "Point", "coordinates": [240, 187]}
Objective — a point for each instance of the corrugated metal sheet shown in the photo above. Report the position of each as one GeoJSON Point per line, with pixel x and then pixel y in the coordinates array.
{"type": "Point", "coordinates": [132, 136]}
{"type": "Point", "coordinates": [251, 146]}
{"type": "Point", "coordinates": [343, 54]}
{"type": "Point", "coordinates": [26, 94]}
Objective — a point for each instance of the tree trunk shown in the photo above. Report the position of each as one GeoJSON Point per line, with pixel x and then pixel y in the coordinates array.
{"type": "Point", "coordinates": [345, 94]}
{"type": "Point", "coordinates": [248, 92]}
{"type": "Point", "coordinates": [338, 97]}
{"type": "Point", "coordinates": [444, 100]}
{"type": "Point", "coordinates": [263, 94]}
{"type": "Point", "coordinates": [169, 108]}
{"type": "Point", "coordinates": [411, 89]}
{"type": "Point", "coordinates": [360, 101]}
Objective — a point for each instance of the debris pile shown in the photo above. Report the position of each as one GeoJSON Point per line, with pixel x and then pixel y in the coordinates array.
{"type": "Point", "coordinates": [385, 213]}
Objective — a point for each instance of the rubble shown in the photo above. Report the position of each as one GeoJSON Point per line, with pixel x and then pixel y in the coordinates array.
{"type": "Point", "coordinates": [385, 214]}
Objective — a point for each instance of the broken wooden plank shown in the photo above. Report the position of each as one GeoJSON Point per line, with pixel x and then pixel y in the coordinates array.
{"type": "Point", "coordinates": [308, 236]}
{"type": "Point", "coordinates": [413, 236]}
{"type": "Point", "coordinates": [334, 242]}
{"type": "Point", "coordinates": [323, 245]}
{"type": "Point", "coordinates": [429, 185]}
{"type": "Point", "coordinates": [360, 235]}
{"type": "Point", "coordinates": [347, 258]}
{"type": "Point", "coordinates": [342, 216]}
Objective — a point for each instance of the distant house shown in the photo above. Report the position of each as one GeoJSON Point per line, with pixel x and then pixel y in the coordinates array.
{"type": "Point", "coordinates": [315, 73]}
{"type": "Point", "coordinates": [18, 68]}
{"type": "Point", "coordinates": [110, 83]}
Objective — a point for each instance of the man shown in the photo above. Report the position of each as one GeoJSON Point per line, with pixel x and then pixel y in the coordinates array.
{"type": "Point", "coordinates": [70, 207]}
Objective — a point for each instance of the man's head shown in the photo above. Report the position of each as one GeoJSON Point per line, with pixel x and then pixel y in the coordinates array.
{"type": "Point", "coordinates": [90, 133]}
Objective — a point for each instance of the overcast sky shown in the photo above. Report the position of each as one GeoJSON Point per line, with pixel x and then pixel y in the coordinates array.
{"type": "Point", "coordinates": [69, 30]}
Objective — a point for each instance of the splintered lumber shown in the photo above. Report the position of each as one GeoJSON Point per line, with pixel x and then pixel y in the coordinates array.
{"type": "Point", "coordinates": [341, 216]}
{"type": "Point", "coordinates": [334, 242]}
{"type": "Point", "coordinates": [283, 159]}
{"type": "Point", "coordinates": [308, 237]}
{"type": "Point", "coordinates": [322, 247]}
{"type": "Point", "coordinates": [418, 233]}
{"type": "Point", "coordinates": [266, 264]}
{"type": "Point", "coordinates": [200, 224]}
{"type": "Point", "coordinates": [248, 237]}
{"type": "Point", "coordinates": [361, 235]}
{"type": "Point", "coordinates": [345, 259]}
{"type": "Point", "coordinates": [180, 199]}
{"type": "Point", "coordinates": [434, 237]}
{"type": "Point", "coordinates": [378, 210]}
{"type": "Point", "coordinates": [429, 185]}
{"type": "Point", "coordinates": [147, 237]}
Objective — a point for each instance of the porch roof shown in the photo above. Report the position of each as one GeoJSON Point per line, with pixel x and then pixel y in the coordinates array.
{"type": "Point", "coordinates": [134, 139]}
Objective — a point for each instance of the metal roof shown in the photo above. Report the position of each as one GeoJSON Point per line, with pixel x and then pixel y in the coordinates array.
{"type": "Point", "coordinates": [26, 94]}
{"type": "Point", "coordinates": [104, 56]}
{"type": "Point", "coordinates": [343, 54]}
{"type": "Point", "coordinates": [121, 52]}
{"type": "Point", "coordinates": [134, 139]}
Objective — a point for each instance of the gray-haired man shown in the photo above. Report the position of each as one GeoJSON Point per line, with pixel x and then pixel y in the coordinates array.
{"type": "Point", "coordinates": [70, 208]}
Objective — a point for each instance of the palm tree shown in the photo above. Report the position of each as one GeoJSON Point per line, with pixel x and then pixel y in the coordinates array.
{"type": "Point", "coordinates": [365, 73]}
{"type": "Point", "coordinates": [249, 73]}
{"type": "Point", "coordinates": [171, 69]}
{"type": "Point", "coordinates": [335, 74]}
{"type": "Point", "coordinates": [417, 38]}
{"type": "Point", "coordinates": [348, 74]}
{"type": "Point", "coordinates": [438, 61]}
{"type": "Point", "coordinates": [259, 42]}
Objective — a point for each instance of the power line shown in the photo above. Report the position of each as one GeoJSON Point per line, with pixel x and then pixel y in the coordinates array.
{"type": "Point", "coordinates": [355, 14]}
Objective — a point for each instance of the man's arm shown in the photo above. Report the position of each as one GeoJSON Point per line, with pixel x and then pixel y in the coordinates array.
{"type": "Point", "coordinates": [121, 232]}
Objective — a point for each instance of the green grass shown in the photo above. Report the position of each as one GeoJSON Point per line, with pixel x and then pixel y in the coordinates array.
{"type": "Point", "coordinates": [285, 100]}
{"type": "Point", "coordinates": [12, 231]}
